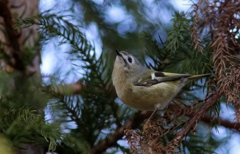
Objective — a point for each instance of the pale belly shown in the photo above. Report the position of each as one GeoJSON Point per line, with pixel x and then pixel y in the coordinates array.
{"type": "Point", "coordinates": [148, 98]}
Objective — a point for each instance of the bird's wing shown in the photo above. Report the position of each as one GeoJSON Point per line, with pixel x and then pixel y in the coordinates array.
{"type": "Point", "coordinates": [158, 77]}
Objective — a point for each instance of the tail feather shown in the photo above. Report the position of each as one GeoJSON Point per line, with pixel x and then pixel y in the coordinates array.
{"type": "Point", "coordinates": [198, 76]}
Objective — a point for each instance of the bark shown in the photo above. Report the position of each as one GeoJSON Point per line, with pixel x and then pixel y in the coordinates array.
{"type": "Point", "coordinates": [14, 41]}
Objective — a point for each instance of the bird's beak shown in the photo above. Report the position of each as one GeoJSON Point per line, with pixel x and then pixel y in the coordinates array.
{"type": "Point", "coordinates": [118, 53]}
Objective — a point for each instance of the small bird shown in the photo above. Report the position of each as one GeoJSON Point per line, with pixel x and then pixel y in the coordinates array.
{"type": "Point", "coordinates": [145, 89]}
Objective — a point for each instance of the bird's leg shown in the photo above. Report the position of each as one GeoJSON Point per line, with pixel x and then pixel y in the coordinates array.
{"type": "Point", "coordinates": [151, 115]}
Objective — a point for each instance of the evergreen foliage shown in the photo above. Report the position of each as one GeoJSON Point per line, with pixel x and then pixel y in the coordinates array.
{"type": "Point", "coordinates": [92, 119]}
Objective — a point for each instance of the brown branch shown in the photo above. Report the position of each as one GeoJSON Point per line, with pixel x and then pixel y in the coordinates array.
{"type": "Point", "coordinates": [218, 19]}
{"type": "Point", "coordinates": [188, 111]}
{"type": "Point", "coordinates": [111, 140]}
{"type": "Point", "coordinates": [67, 89]}
{"type": "Point", "coordinates": [12, 37]}
{"type": "Point", "coordinates": [225, 123]}
{"type": "Point", "coordinates": [192, 122]}
{"type": "Point", "coordinates": [222, 122]}
{"type": "Point", "coordinates": [137, 120]}
{"type": "Point", "coordinates": [119, 133]}
{"type": "Point", "coordinates": [75, 88]}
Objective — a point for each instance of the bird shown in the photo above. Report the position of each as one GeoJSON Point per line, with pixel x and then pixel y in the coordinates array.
{"type": "Point", "coordinates": [144, 89]}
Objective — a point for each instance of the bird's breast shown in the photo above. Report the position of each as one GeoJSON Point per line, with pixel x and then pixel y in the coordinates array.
{"type": "Point", "coordinates": [148, 98]}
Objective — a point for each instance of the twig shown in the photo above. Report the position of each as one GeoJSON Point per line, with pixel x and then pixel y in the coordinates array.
{"type": "Point", "coordinates": [112, 139]}
{"type": "Point", "coordinates": [198, 115]}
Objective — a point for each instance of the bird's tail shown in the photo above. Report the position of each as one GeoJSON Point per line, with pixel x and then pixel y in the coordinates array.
{"type": "Point", "coordinates": [198, 76]}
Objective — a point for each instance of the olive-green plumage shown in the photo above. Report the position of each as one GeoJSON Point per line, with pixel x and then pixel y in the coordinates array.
{"type": "Point", "coordinates": [145, 89]}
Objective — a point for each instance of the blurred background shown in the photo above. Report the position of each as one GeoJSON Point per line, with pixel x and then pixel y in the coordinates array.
{"type": "Point", "coordinates": [155, 16]}
{"type": "Point", "coordinates": [70, 87]}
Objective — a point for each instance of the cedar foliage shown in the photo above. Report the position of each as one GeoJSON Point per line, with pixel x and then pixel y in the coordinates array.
{"type": "Point", "coordinates": [201, 41]}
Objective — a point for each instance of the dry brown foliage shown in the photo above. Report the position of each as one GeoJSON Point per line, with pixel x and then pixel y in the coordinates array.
{"type": "Point", "coordinates": [175, 120]}
{"type": "Point", "coordinates": [216, 19]}
{"type": "Point", "coordinates": [220, 19]}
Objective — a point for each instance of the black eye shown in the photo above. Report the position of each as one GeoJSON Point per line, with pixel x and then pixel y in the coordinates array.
{"type": "Point", "coordinates": [129, 59]}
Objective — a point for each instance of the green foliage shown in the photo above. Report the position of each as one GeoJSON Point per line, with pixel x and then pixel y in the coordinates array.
{"type": "Point", "coordinates": [28, 127]}
{"type": "Point", "coordinates": [19, 121]}
{"type": "Point", "coordinates": [95, 109]}
{"type": "Point", "coordinates": [95, 112]}
{"type": "Point", "coordinates": [196, 142]}
{"type": "Point", "coordinates": [177, 53]}
{"type": "Point", "coordinates": [178, 34]}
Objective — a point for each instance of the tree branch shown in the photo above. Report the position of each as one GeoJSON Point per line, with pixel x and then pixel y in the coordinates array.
{"type": "Point", "coordinates": [137, 120]}
{"type": "Point", "coordinates": [119, 133]}
{"type": "Point", "coordinates": [12, 37]}
{"type": "Point", "coordinates": [67, 89]}
{"type": "Point", "coordinates": [192, 122]}
{"type": "Point", "coordinates": [74, 88]}
{"type": "Point", "coordinates": [225, 123]}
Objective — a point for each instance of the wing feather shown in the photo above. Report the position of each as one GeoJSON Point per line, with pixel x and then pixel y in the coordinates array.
{"type": "Point", "coordinates": [158, 77]}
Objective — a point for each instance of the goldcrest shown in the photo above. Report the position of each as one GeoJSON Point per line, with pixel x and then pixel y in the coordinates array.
{"type": "Point", "coordinates": [145, 89]}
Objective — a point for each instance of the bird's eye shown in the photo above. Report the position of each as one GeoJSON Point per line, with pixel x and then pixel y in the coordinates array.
{"type": "Point", "coordinates": [129, 59]}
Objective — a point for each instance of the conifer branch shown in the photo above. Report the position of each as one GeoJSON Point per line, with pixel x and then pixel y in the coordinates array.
{"type": "Point", "coordinates": [112, 139]}
{"type": "Point", "coordinates": [67, 89]}
{"type": "Point", "coordinates": [76, 88]}
{"type": "Point", "coordinates": [218, 19]}
{"type": "Point", "coordinates": [224, 123]}
{"type": "Point", "coordinates": [192, 122]}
